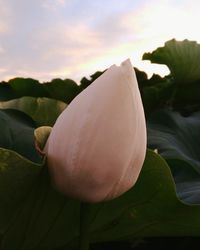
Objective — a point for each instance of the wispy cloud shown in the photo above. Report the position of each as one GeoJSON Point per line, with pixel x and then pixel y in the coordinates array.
{"type": "Point", "coordinates": [54, 5]}
{"type": "Point", "coordinates": [5, 17]}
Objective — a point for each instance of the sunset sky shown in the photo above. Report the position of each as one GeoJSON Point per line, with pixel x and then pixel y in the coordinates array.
{"type": "Point", "coordinates": [46, 39]}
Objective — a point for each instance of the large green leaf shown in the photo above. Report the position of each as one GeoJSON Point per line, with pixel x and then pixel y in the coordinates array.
{"type": "Point", "coordinates": [187, 181]}
{"type": "Point", "coordinates": [17, 133]}
{"type": "Point", "coordinates": [44, 111]}
{"type": "Point", "coordinates": [150, 208]}
{"type": "Point", "coordinates": [32, 214]}
{"type": "Point", "coordinates": [177, 139]}
{"type": "Point", "coordinates": [40, 218]}
{"type": "Point", "coordinates": [17, 176]}
{"type": "Point", "coordinates": [46, 220]}
{"type": "Point", "coordinates": [176, 136]}
{"type": "Point", "coordinates": [182, 58]}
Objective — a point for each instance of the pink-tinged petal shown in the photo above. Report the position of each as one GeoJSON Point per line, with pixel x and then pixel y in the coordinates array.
{"type": "Point", "coordinates": [97, 146]}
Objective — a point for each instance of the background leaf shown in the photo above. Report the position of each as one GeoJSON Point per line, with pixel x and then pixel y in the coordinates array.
{"type": "Point", "coordinates": [182, 58]}
{"type": "Point", "coordinates": [175, 136]}
{"type": "Point", "coordinates": [187, 181]}
{"type": "Point", "coordinates": [44, 111]}
{"type": "Point", "coordinates": [17, 133]}
{"type": "Point", "coordinates": [17, 175]}
{"type": "Point", "coordinates": [177, 139]}
{"type": "Point", "coordinates": [63, 90]}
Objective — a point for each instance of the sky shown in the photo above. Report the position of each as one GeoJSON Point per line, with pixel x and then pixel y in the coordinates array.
{"type": "Point", "coordinates": [47, 39]}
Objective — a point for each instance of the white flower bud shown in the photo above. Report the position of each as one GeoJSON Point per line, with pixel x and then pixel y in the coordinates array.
{"type": "Point", "coordinates": [97, 146]}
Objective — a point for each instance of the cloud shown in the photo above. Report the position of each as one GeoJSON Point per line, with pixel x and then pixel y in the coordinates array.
{"type": "Point", "coordinates": [2, 51]}
{"type": "Point", "coordinates": [5, 17]}
{"type": "Point", "coordinates": [84, 46]}
{"type": "Point", "coordinates": [54, 5]}
{"type": "Point", "coordinates": [163, 20]}
{"type": "Point", "coordinates": [50, 38]}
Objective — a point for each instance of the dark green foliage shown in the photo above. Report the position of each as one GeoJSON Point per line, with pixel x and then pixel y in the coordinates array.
{"type": "Point", "coordinates": [177, 139]}
{"type": "Point", "coordinates": [16, 134]}
{"type": "Point", "coordinates": [63, 90]}
{"type": "Point", "coordinates": [84, 83]}
{"type": "Point", "coordinates": [182, 58]}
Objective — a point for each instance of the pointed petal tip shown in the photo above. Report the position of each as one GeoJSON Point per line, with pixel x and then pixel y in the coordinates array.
{"type": "Point", "coordinates": [127, 67]}
{"type": "Point", "coordinates": [126, 62]}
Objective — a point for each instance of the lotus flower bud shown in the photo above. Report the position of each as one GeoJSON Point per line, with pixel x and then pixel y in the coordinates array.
{"type": "Point", "coordinates": [97, 146]}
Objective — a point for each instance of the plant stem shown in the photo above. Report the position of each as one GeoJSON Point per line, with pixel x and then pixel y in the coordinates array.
{"type": "Point", "coordinates": [84, 226]}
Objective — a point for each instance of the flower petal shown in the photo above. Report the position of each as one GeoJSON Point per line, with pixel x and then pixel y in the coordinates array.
{"type": "Point", "coordinates": [97, 146]}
